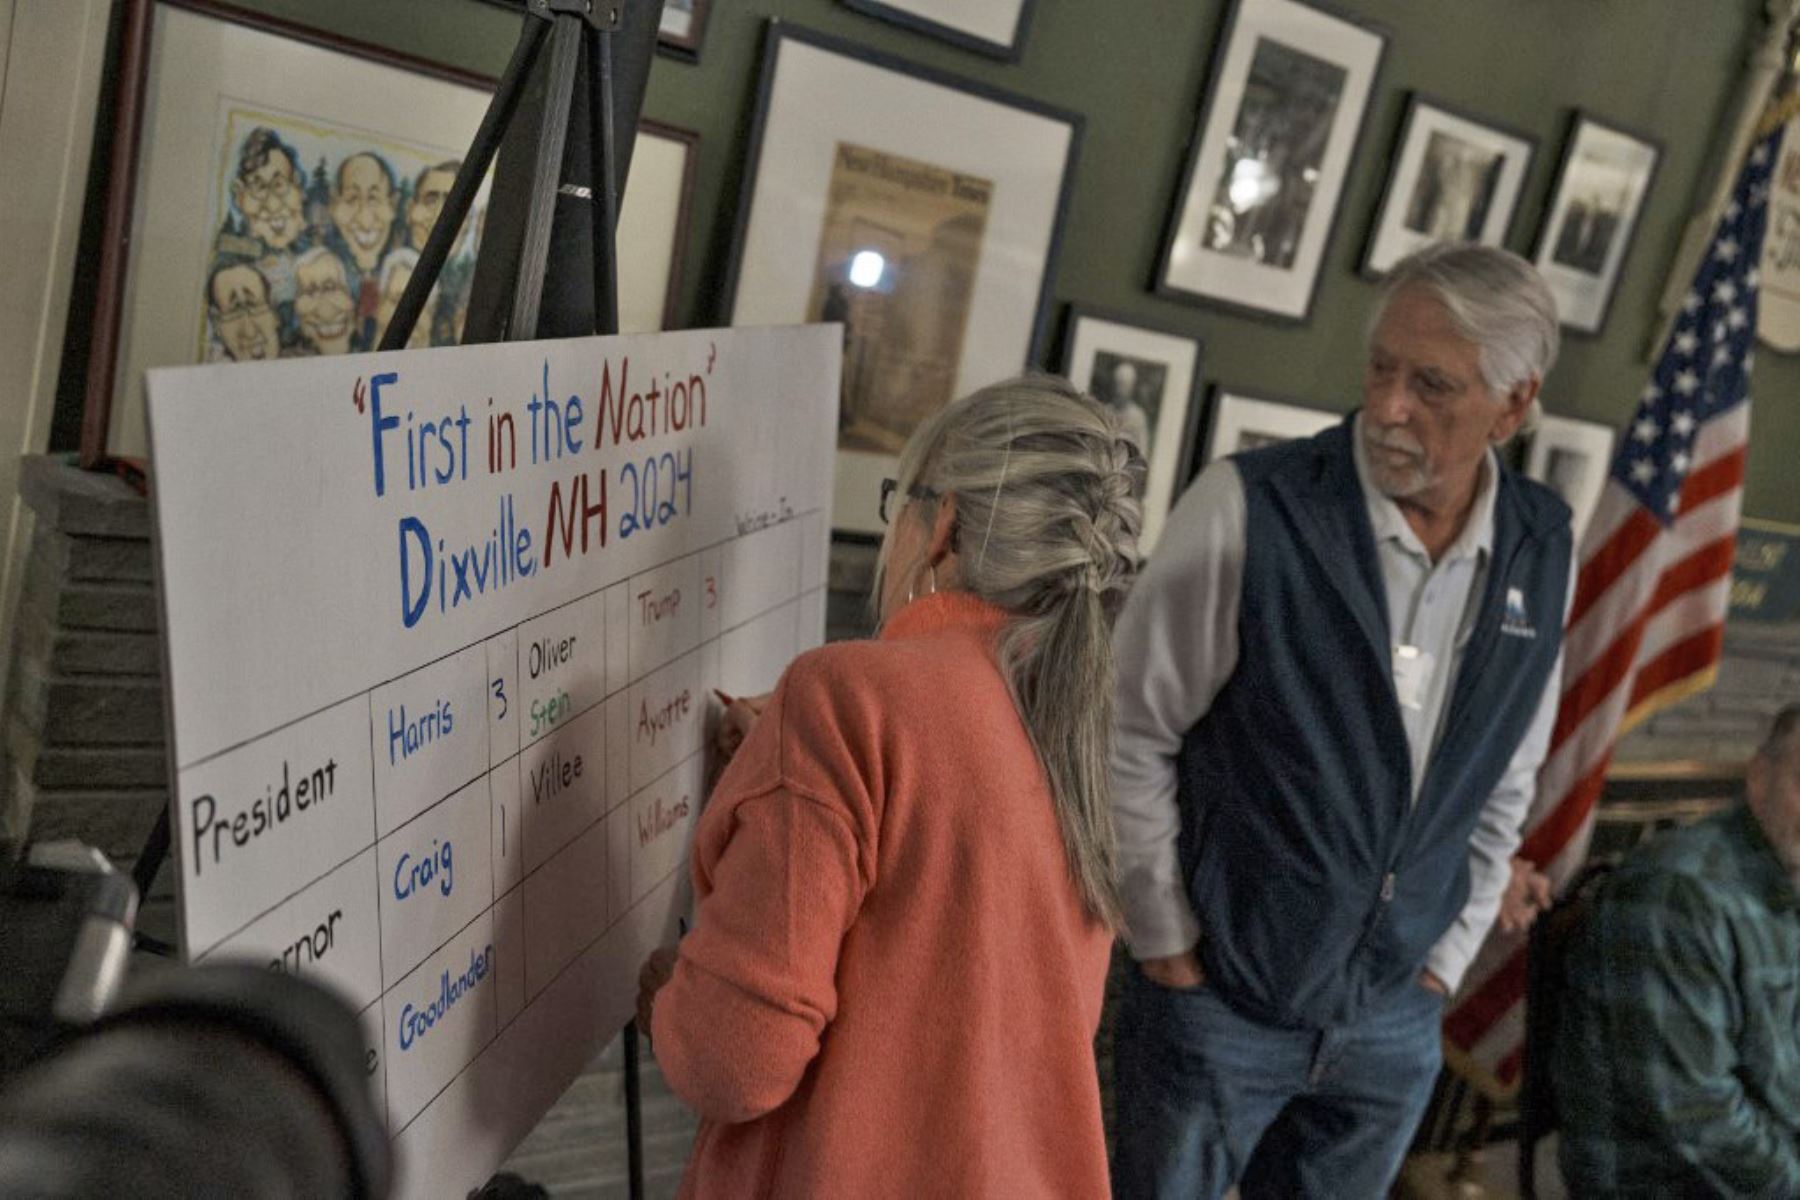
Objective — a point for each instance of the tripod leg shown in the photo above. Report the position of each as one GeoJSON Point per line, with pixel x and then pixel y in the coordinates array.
{"type": "Point", "coordinates": [468, 181]}
{"type": "Point", "coordinates": [634, 1118]}
{"type": "Point", "coordinates": [552, 143]}
{"type": "Point", "coordinates": [604, 180]}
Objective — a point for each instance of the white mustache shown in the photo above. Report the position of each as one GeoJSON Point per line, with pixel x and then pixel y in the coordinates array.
{"type": "Point", "coordinates": [1396, 440]}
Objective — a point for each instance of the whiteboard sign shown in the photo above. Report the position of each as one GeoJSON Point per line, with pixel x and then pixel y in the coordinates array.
{"type": "Point", "coordinates": [442, 633]}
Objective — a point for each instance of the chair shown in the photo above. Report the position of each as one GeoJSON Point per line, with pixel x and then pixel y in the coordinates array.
{"type": "Point", "coordinates": [1545, 956]}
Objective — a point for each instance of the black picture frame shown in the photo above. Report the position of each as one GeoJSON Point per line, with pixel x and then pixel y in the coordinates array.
{"type": "Point", "coordinates": [780, 33]}
{"type": "Point", "coordinates": [1218, 393]}
{"type": "Point", "coordinates": [894, 14]}
{"type": "Point", "coordinates": [1188, 426]}
{"type": "Point", "coordinates": [1582, 120]}
{"type": "Point", "coordinates": [1393, 188]}
{"type": "Point", "coordinates": [1160, 284]}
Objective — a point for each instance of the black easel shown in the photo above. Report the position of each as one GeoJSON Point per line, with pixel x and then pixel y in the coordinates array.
{"type": "Point", "coordinates": [563, 125]}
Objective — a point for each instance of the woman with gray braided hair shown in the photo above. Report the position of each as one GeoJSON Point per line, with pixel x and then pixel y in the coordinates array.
{"type": "Point", "coordinates": [905, 875]}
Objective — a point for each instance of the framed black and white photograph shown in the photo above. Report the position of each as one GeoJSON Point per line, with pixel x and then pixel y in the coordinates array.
{"type": "Point", "coordinates": [1265, 169]}
{"type": "Point", "coordinates": [683, 27]}
{"type": "Point", "coordinates": [918, 209]}
{"type": "Point", "coordinates": [995, 28]}
{"type": "Point", "coordinates": [1605, 175]}
{"type": "Point", "coordinates": [1239, 421]}
{"type": "Point", "coordinates": [1151, 378]}
{"type": "Point", "coordinates": [1572, 459]}
{"type": "Point", "coordinates": [1454, 177]}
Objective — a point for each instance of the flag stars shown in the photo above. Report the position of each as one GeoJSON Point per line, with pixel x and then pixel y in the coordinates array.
{"type": "Point", "coordinates": [1686, 343]}
{"type": "Point", "coordinates": [1683, 424]}
{"type": "Point", "coordinates": [1726, 251]}
{"type": "Point", "coordinates": [1646, 431]}
{"type": "Point", "coordinates": [1725, 292]}
{"type": "Point", "coordinates": [1721, 356]}
{"type": "Point", "coordinates": [1759, 157]}
{"type": "Point", "coordinates": [1651, 393]}
{"type": "Point", "coordinates": [1674, 503]}
{"type": "Point", "coordinates": [1642, 472]}
{"type": "Point", "coordinates": [1690, 303]}
{"type": "Point", "coordinates": [1687, 383]}
{"type": "Point", "coordinates": [1738, 317]}
{"type": "Point", "coordinates": [1753, 278]}
{"type": "Point", "coordinates": [1733, 211]}
{"type": "Point", "coordinates": [1680, 463]}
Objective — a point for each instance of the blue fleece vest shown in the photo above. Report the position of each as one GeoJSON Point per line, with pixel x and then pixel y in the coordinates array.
{"type": "Point", "coordinates": [1320, 887]}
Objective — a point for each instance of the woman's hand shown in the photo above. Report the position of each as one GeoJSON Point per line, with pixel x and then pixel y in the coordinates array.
{"type": "Point", "coordinates": [740, 717]}
{"type": "Point", "coordinates": [658, 969]}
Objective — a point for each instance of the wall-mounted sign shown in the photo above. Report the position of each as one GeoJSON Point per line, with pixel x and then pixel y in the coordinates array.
{"type": "Point", "coordinates": [1765, 577]}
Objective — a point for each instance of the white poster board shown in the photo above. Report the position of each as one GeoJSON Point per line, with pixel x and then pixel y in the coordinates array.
{"type": "Point", "coordinates": [443, 629]}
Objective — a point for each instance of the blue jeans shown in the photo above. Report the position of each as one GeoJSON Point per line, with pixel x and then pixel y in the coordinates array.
{"type": "Point", "coordinates": [1208, 1098]}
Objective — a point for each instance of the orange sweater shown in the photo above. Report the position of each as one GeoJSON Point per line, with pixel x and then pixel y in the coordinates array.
{"type": "Point", "coordinates": [892, 986]}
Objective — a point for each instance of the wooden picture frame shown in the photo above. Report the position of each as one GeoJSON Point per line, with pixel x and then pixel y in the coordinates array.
{"type": "Point", "coordinates": [995, 28]}
{"type": "Point", "coordinates": [1592, 218]}
{"type": "Point", "coordinates": [182, 255]}
{"type": "Point", "coordinates": [1453, 176]}
{"type": "Point", "coordinates": [933, 205]}
{"type": "Point", "coordinates": [1151, 374]}
{"type": "Point", "coordinates": [1245, 235]}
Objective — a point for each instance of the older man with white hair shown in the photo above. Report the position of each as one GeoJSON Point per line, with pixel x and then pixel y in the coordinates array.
{"type": "Point", "coordinates": [1338, 676]}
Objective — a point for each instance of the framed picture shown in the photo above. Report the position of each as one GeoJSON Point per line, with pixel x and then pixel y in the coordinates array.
{"type": "Point", "coordinates": [1266, 165]}
{"type": "Point", "coordinates": [1600, 187]}
{"type": "Point", "coordinates": [286, 180]}
{"type": "Point", "coordinates": [1151, 377]}
{"type": "Point", "coordinates": [919, 210]}
{"type": "Point", "coordinates": [1572, 458]}
{"type": "Point", "coordinates": [1454, 177]}
{"type": "Point", "coordinates": [1238, 421]}
{"type": "Point", "coordinates": [683, 27]}
{"type": "Point", "coordinates": [992, 27]}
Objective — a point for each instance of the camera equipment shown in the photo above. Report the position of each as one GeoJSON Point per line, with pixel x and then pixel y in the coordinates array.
{"type": "Point", "coordinates": [213, 1080]}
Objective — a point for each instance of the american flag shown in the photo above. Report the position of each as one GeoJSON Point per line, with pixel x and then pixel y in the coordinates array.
{"type": "Point", "coordinates": [1655, 577]}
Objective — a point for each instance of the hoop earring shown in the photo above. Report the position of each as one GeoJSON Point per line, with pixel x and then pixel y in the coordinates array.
{"type": "Point", "coordinates": [910, 595]}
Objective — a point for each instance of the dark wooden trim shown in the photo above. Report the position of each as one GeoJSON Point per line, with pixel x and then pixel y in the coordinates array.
{"type": "Point", "coordinates": [115, 238]}
{"type": "Point", "coordinates": [1191, 159]}
{"type": "Point", "coordinates": [1009, 52]}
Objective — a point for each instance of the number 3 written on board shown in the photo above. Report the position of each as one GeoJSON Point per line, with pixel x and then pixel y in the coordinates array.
{"type": "Point", "coordinates": [500, 695]}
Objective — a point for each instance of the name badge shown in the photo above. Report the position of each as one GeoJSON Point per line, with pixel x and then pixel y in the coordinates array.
{"type": "Point", "coordinates": [1412, 675]}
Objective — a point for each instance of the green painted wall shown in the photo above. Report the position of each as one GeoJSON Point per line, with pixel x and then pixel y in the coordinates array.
{"type": "Point", "coordinates": [1137, 68]}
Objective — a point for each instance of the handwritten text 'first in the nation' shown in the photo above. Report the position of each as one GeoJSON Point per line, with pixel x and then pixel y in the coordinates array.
{"type": "Point", "coordinates": [413, 453]}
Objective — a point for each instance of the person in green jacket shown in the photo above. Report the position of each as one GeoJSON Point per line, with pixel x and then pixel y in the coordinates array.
{"type": "Point", "coordinates": [1678, 1061]}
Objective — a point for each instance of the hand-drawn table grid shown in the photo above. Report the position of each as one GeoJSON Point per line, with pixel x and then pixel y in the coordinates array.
{"type": "Point", "coordinates": [500, 850]}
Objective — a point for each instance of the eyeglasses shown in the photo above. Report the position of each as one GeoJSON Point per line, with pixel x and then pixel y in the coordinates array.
{"type": "Point", "coordinates": [917, 491]}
